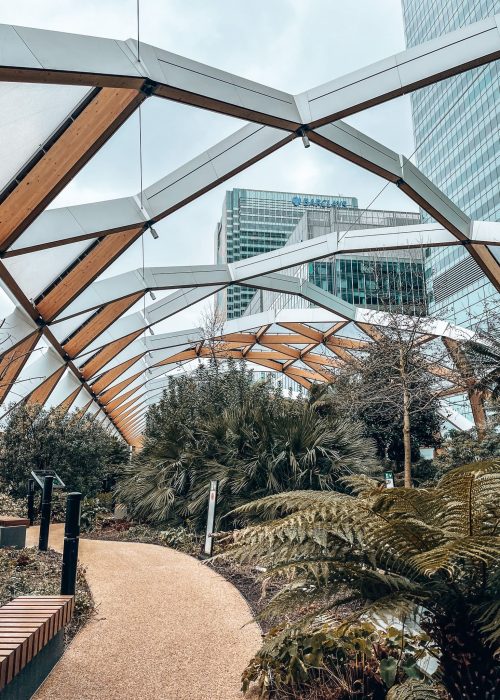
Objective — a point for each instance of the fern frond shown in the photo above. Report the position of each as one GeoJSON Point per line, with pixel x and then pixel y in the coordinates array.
{"type": "Point", "coordinates": [387, 609]}
{"type": "Point", "coordinates": [469, 498]}
{"type": "Point", "coordinates": [361, 484]}
{"type": "Point", "coordinates": [448, 557]}
{"type": "Point", "coordinates": [412, 690]}
{"type": "Point", "coordinates": [280, 504]}
{"type": "Point", "coordinates": [327, 518]}
{"type": "Point", "coordinates": [489, 623]}
{"type": "Point", "coordinates": [420, 502]}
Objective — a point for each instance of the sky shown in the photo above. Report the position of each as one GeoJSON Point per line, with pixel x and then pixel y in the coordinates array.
{"type": "Point", "coordinates": [288, 44]}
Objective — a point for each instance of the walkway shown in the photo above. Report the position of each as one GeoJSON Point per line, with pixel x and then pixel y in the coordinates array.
{"type": "Point", "coordinates": [167, 628]}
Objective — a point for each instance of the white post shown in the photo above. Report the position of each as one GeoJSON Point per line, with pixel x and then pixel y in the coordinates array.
{"type": "Point", "coordinates": [212, 501]}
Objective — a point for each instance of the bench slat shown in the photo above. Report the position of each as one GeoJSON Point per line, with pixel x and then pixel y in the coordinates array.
{"type": "Point", "coordinates": [27, 624]}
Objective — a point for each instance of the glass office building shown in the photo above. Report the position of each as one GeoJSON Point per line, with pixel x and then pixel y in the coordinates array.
{"type": "Point", "coordinates": [389, 280]}
{"type": "Point", "coordinates": [255, 222]}
{"type": "Point", "coordinates": [456, 125]}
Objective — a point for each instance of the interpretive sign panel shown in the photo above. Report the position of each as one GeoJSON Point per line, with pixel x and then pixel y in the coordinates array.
{"type": "Point", "coordinates": [40, 474]}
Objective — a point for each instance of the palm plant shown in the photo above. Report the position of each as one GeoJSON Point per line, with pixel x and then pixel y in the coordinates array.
{"type": "Point", "coordinates": [430, 553]}
{"type": "Point", "coordinates": [152, 488]}
{"type": "Point", "coordinates": [253, 452]}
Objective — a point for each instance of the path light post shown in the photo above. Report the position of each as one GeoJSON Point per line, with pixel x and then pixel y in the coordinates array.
{"type": "Point", "coordinates": [71, 539]}
{"type": "Point", "coordinates": [212, 501]}
{"type": "Point", "coordinates": [43, 541]}
{"type": "Point", "coordinates": [31, 501]}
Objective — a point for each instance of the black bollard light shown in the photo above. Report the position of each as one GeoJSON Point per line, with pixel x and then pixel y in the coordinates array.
{"type": "Point", "coordinates": [43, 540]}
{"type": "Point", "coordinates": [71, 539]}
{"type": "Point", "coordinates": [31, 501]}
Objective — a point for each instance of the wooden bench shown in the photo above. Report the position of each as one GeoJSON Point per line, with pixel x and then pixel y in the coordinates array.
{"type": "Point", "coordinates": [13, 521]}
{"type": "Point", "coordinates": [13, 531]}
{"type": "Point", "coordinates": [27, 625]}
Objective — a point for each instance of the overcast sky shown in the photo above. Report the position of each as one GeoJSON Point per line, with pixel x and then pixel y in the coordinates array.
{"type": "Point", "coordinates": [288, 44]}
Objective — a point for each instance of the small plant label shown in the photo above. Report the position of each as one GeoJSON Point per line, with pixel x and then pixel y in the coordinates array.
{"type": "Point", "coordinates": [389, 479]}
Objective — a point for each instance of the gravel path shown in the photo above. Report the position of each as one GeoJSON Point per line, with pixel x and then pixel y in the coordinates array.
{"type": "Point", "coordinates": [167, 628]}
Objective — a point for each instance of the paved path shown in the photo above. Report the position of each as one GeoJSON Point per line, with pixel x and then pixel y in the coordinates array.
{"type": "Point", "coordinates": [167, 628]}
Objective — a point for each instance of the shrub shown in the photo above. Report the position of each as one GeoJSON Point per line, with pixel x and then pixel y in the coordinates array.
{"type": "Point", "coordinates": [10, 505]}
{"type": "Point", "coordinates": [362, 661]}
{"type": "Point", "coordinates": [30, 572]}
{"type": "Point", "coordinates": [182, 539]}
{"type": "Point", "coordinates": [251, 451]}
{"type": "Point", "coordinates": [431, 554]}
{"type": "Point", "coordinates": [78, 449]}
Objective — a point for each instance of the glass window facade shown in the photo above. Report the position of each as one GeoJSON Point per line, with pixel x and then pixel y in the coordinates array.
{"type": "Point", "coordinates": [456, 125]}
{"type": "Point", "coordinates": [255, 222]}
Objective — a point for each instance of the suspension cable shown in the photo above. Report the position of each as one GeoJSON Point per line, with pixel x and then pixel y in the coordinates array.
{"type": "Point", "coordinates": [418, 147]}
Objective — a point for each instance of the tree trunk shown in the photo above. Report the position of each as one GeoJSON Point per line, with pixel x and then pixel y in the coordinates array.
{"type": "Point", "coordinates": [469, 669]}
{"type": "Point", "coordinates": [407, 437]}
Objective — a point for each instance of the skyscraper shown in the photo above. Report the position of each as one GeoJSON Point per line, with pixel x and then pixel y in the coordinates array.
{"type": "Point", "coordinates": [456, 125]}
{"type": "Point", "coordinates": [256, 221]}
{"type": "Point", "coordinates": [389, 280]}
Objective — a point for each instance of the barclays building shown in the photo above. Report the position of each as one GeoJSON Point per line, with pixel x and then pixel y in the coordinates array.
{"type": "Point", "coordinates": [257, 221]}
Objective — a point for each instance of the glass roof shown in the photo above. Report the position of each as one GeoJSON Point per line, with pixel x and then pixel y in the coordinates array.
{"type": "Point", "coordinates": [29, 114]}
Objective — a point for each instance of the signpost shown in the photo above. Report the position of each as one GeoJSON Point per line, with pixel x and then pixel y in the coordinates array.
{"type": "Point", "coordinates": [389, 479]}
{"type": "Point", "coordinates": [212, 501]}
{"type": "Point", "coordinates": [40, 474]}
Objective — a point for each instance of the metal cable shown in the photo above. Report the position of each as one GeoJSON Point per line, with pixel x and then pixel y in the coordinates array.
{"type": "Point", "coordinates": [141, 173]}
{"type": "Point", "coordinates": [436, 125]}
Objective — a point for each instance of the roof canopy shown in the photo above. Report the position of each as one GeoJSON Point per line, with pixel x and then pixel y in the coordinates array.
{"type": "Point", "coordinates": [95, 357]}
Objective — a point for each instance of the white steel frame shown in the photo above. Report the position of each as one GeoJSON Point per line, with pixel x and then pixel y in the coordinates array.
{"type": "Point", "coordinates": [72, 368]}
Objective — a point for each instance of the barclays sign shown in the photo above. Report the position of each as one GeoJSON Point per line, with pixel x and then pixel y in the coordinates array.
{"type": "Point", "coordinates": [318, 202]}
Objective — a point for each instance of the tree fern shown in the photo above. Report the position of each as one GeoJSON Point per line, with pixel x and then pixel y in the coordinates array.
{"type": "Point", "coordinates": [430, 553]}
{"type": "Point", "coordinates": [412, 690]}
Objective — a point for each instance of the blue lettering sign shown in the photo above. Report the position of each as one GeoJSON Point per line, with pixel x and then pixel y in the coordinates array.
{"type": "Point", "coordinates": [317, 202]}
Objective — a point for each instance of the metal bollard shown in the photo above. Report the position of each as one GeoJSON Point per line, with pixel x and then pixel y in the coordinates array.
{"type": "Point", "coordinates": [43, 540]}
{"type": "Point", "coordinates": [71, 539]}
{"type": "Point", "coordinates": [212, 501]}
{"type": "Point", "coordinates": [31, 501]}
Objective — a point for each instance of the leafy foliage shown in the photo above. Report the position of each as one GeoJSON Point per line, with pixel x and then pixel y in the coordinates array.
{"type": "Point", "coordinates": [427, 553]}
{"type": "Point", "coordinates": [10, 505]}
{"type": "Point", "coordinates": [355, 393]}
{"type": "Point", "coordinates": [30, 572]}
{"type": "Point", "coordinates": [483, 353]}
{"type": "Point", "coordinates": [360, 662]}
{"type": "Point", "coordinates": [79, 449]}
{"type": "Point", "coordinates": [254, 442]}
{"type": "Point", "coordinates": [462, 447]}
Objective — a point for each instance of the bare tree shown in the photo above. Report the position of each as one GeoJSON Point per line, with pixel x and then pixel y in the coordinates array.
{"type": "Point", "coordinates": [212, 325]}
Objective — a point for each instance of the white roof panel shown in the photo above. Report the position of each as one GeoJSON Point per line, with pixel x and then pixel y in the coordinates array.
{"type": "Point", "coordinates": [29, 114]}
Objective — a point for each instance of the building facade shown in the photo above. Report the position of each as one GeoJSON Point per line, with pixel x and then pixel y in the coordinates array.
{"type": "Point", "coordinates": [392, 280]}
{"type": "Point", "coordinates": [456, 126]}
{"type": "Point", "coordinates": [255, 222]}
